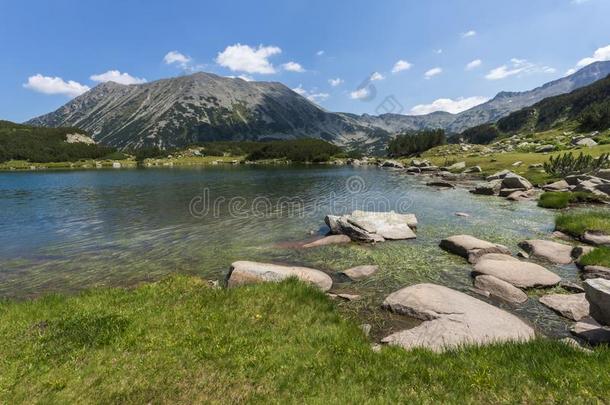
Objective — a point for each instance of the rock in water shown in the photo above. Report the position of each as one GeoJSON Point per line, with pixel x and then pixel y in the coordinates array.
{"type": "Point", "coordinates": [373, 226]}
{"type": "Point", "coordinates": [246, 272]}
{"type": "Point", "coordinates": [500, 289]}
{"type": "Point", "coordinates": [597, 292]}
{"type": "Point", "coordinates": [451, 319]}
{"type": "Point", "coordinates": [518, 273]}
{"type": "Point", "coordinates": [591, 331]}
{"type": "Point", "coordinates": [328, 240]}
{"type": "Point", "coordinates": [361, 272]}
{"type": "Point", "coordinates": [596, 272]}
{"type": "Point", "coordinates": [571, 306]}
{"type": "Point", "coordinates": [470, 247]}
{"type": "Point", "coordinates": [552, 251]}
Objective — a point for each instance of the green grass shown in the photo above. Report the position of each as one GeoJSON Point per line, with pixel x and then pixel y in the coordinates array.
{"type": "Point", "coordinates": [597, 257]}
{"type": "Point", "coordinates": [179, 341]}
{"type": "Point", "coordinates": [560, 199]}
{"type": "Point", "coordinates": [576, 223]}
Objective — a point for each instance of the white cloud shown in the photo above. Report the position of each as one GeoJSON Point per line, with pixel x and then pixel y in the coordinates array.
{"type": "Point", "coordinates": [433, 72]}
{"type": "Point", "coordinates": [335, 82]}
{"type": "Point", "coordinates": [570, 72]}
{"type": "Point", "coordinates": [438, 51]}
{"type": "Point", "coordinates": [469, 34]}
{"type": "Point", "coordinates": [55, 85]}
{"type": "Point", "coordinates": [446, 104]}
{"type": "Point", "coordinates": [320, 52]}
{"type": "Point", "coordinates": [244, 58]}
{"type": "Point", "coordinates": [176, 57]}
{"type": "Point", "coordinates": [293, 67]}
{"type": "Point", "coordinates": [600, 54]}
{"type": "Point", "coordinates": [242, 77]}
{"type": "Point", "coordinates": [117, 77]}
{"type": "Point", "coordinates": [517, 67]}
{"type": "Point", "coordinates": [579, 1]}
{"type": "Point", "coordinates": [474, 64]}
{"type": "Point", "coordinates": [376, 76]}
{"type": "Point", "coordinates": [359, 94]}
{"type": "Point", "coordinates": [311, 96]}
{"type": "Point", "coordinates": [400, 66]}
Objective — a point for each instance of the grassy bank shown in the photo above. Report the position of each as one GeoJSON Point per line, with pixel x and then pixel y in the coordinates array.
{"type": "Point", "coordinates": [597, 257]}
{"type": "Point", "coordinates": [561, 199]}
{"type": "Point", "coordinates": [182, 341]}
{"type": "Point", "coordinates": [576, 223]}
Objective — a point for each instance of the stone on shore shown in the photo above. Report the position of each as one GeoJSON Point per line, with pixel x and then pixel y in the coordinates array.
{"type": "Point", "coordinates": [440, 183]}
{"type": "Point", "coordinates": [591, 331]}
{"type": "Point", "coordinates": [361, 272]}
{"type": "Point", "coordinates": [499, 289]}
{"type": "Point", "coordinates": [597, 292]}
{"type": "Point", "coordinates": [470, 247]}
{"type": "Point", "coordinates": [596, 238]}
{"type": "Point", "coordinates": [571, 306]}
{"type": "Point", "coordinates": [498, 175]}
{"type": "Point", "coordinates": [452, 319]}
{"type": "Point", "coordinates": [514, 181]}
{"type": "Point", "coordinates": [518, 273]}
{"type": "Point", "coordinates": [560, 185]}
{"type": "Point", "coordinates": [457, 166]}
{"type": "Point", "coordinates": [393, 163]}
{"type": "Point", "coordinates": [554, 252]}
{"type": "Point", "coordinates": [489, 188]}
{"type": "Point", "coordinates": [328, 240]}
{"type": "Point", "coordinates": [246, 272]}
{"type": "Point", "coordinates": [596, 272]}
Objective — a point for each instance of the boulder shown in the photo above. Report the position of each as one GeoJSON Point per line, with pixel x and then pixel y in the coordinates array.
{"type": "Point", "coordinates": [603, 188]}
{"type": "Point", "coordinates": [498, 175]}
{"type": "Point", "coordinates": [591, 331]}
{"type": "Point", "coordinates": [560, 185]}
{"type": "Point", "coordinates": [367, 226]}
{"type": "Point", "coordinates": [596, 238]}
{"type": "Point", "coordinates": [440, 183]}
{"type": "Point", "coordinates": [361, 272]}
{"type": "Point", "coordinates": [457, 166]}
{"type": "Point", "coordinates": [452, 319]}
{"type": "Point", "coordinates": [473, 169]}
{"type": "Point", "coordinates": [413, 169]}
{"type": "Point", "coordinates": [489, 188]}
{"type": "Point", "coordinates": [519, 195]}
{"type": "Point", "coordinates": [604, 174]}
{"type": "Point", "coordinates": [470, 247]}
{"type": "Point", "coordinates": [505, 192]}
{"type": "Point", "coordinates": [515, 181]}
{"type": "Point", "coordinates": [518, 273]}
{"type": "Point", "coordinates": [420, 163]}
{"type": "Point", "coordinates": [587, 142]}
{"type": "Point", "coordinates": [545, 148]}
{"type": "Point", "coordinates": [570, 286]}
{"type": "Point", "coordinates": [393, 163]}
{"type": "Point", "coordinates": [246, 272]}
{"type": "Point", "coordinates": [554, 252]}
{"type": "Point", "coordinates": [328, 240]}
{"type": "Point", "coordinates": [500, 289]}
{"type": "Point", "coordinates": [597, 292]}
{"type": "Point", "coordinates": [596, 272]}
{"type": "Point", "coordinates": [429, 169]}
{"type": "Point", "coordinates": [571, 306]}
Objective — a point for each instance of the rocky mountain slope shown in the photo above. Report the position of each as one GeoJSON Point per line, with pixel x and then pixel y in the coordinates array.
{"type": "Point", "coordinates": [203, 107]}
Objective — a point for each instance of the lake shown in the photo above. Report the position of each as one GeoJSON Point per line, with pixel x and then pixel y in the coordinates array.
{"type": "Point", "coordinates": [64, 231]}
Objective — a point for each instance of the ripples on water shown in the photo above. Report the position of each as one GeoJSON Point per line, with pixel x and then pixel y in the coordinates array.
{"type": "Point", "coordinates": [65, 231]}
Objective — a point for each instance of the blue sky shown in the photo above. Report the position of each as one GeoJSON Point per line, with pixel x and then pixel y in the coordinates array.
{"type": "Point", "coordinates": [346, 55]}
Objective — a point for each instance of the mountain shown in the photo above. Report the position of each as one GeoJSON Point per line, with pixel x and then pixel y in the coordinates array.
{"type": "Point", "coordinates": [506, 102]}
{"type": "Point", "coordinates": [204, 107]}
{"type": "Point", "coordinates": [201, 107]}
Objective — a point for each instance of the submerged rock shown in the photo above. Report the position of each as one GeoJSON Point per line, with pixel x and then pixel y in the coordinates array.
{"type": "Point", "coordinates": [328, 240]}
{"type": "Point", "coordinates": [452, 319]}
{"type": "Point", "coordinates": [500, 289]}
{"type": "Point", "coordinates": [246, 272]}
{"type": "Point", "coordinates": [518, 273]}
{"type": "Point", "coordinates": [470, 247]}
{"type": "Point", "coordinates": [571, 306]}
{"type": "Point", "coordinates": [597, 292]}
{"type": "Point", "coordinates": [440, 183]}
{"type": "Point", "coordinates": [361, 272]}
{"type": "Point", "coordinates": [552, 251]}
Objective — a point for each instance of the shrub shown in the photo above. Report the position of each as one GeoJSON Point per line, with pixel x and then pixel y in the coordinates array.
{"type": "Point", "coordinates": [567, 164]}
